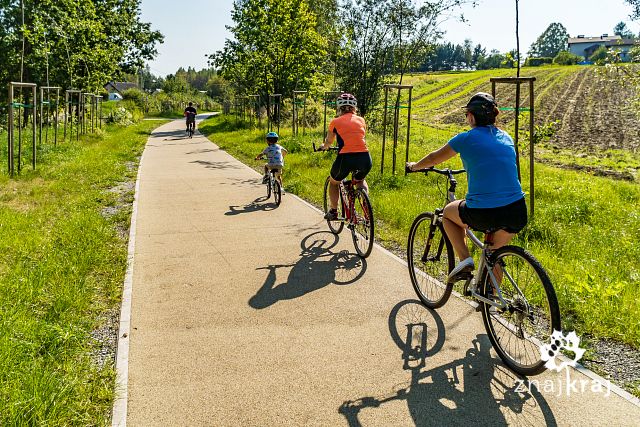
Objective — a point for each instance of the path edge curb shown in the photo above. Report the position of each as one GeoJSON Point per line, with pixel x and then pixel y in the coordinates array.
{"type": "Point", "coordinates": [119, 411]}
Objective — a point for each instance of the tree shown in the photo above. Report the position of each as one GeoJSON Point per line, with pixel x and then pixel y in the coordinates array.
{"type": "Point", "coordinates": [635, 14]}
{"type": "Point", "coordinates": [73, 43]}
{"type": "Point", "coordinates": [385, 37]}
{"type": "Point", "coordinates": [276, 47]}
{"type": "Point", "coordinates": [623, 31]}
{"type": "Point", "coordinates": [551, 41]}
{"type": "Point", "coordinates": [494, 60]}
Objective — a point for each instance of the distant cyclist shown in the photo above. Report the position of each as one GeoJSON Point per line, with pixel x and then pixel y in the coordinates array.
{"type": "Point", "coordinates": [494, 200]}
{"type": "Point", "coordinates": [349, 130]}
{"type": "Point", "coordinates": [190, 113]}
{"type": "Point", "coordinates": [275, 158]}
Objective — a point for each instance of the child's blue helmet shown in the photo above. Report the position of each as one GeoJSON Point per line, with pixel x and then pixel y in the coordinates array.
{"type": "Point", "coordinates": [272, 135]}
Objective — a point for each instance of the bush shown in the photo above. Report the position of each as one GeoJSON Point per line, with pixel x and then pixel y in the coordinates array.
{"type": "Point", "coordinates": [536, 62]}
{"type": "Point", "coordinates": [600, 56]}
{"type": "Point", "coordinates": [567, 58]}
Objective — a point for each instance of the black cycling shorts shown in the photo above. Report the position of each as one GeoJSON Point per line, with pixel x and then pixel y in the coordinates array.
{"type": "Point", "coordinates": [359, 163]}
{"type": "Point", "coordinates": [512, 218]}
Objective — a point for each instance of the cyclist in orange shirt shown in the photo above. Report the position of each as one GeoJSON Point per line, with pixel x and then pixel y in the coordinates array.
{"type": "Point", "coordinates": [349, 130]}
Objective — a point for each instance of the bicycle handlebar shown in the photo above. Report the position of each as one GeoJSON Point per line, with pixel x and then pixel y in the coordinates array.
{"type": "Point", "coordinates": [445, 171]}
{"type": "Point", "coordinates": [315, 149]}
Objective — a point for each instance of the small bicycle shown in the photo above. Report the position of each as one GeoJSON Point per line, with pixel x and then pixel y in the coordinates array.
{"type": "Point", "coordinates": [354, 209]}
{"type": "Point", "coordinates": [274, 187]}
{"type": "Point", "coordinates": [515, 295]}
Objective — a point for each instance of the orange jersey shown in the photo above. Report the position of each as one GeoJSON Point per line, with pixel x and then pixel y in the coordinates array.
{"type": "Point", "coordinates": [350, 130]}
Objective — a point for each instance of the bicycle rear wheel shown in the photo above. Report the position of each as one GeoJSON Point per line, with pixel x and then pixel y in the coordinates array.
{"type": "Point", "coordinates": [335, 226]}
{"type": "Point", "coordinates": [362, 228]}
{"type": "Point", "coordinates": [532, 314]}
{"type": "Point", "coordinates": [430, 259]}
{"type": "Point", "coordinates": [277, 192]}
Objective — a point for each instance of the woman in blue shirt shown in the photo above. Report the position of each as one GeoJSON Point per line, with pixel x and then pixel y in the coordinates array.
{"type": "Point", "coordinates": [494, 199]}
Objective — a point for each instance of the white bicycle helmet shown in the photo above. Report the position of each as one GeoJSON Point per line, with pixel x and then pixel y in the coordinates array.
{"type": "Point", "coordinates": [346, 99]}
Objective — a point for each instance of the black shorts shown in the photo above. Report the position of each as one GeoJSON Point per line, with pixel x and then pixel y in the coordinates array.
{"type": "Point", "coordinates": [359, 163]}
{"type": "Point", "coordinates": [511, 218]}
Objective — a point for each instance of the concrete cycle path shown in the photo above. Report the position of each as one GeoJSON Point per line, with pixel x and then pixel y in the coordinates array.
{"type": "Point", "coordinates": [247, 314]}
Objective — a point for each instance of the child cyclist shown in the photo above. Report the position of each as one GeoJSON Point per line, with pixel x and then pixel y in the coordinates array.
{"type": "Point", "coordinates": [275, 157]}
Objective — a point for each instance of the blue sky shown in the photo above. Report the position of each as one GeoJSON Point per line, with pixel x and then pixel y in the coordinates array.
{"type": "Point", "coordinates": [194, 28]}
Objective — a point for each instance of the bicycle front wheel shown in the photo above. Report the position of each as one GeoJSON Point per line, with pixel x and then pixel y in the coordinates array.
{"type": "Point", "coordinates": [430, 259]}
{"type": "Point", "coordinates": [277, 192]}
{"type": "Point", "coordinates": [532, 314]}
{"type": "Point", "coordinates": [335, 226]}
{"type": "Point", "coordinates": [362, 228]}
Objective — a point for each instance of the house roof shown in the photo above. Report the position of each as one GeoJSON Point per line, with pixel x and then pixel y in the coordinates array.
{"type": "Point", "coordinates": [599, 39]}
{"type": "Point", "coordinates": [119, 87]}
{"type": "Point", "coordinates": [622, 42]}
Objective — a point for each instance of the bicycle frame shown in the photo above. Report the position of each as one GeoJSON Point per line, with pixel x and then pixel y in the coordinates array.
{"type": "Point", "coordinates": [484, 254]}
{"type": "Point", "coordinates": [347, 200]}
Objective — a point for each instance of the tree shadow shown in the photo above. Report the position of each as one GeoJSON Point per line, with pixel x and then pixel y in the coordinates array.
{"type": "Point", "coordinates": [216, 165]}
{"type": "Point", "coordinates": [255, 206]}
{"type": "Point", "coordinates": [174, 134]}
{"type": "Point", "coordinates": [474, 390]}
{"type": "Point", "coordinates": [204, 150]}
{"type": "Point", "coordinates": [317, 267]}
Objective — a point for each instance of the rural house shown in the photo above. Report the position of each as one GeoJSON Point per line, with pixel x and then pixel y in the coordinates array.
{"type": "Point", "coordinates": [117, 89]}
{"type": "Point", "coordinates": [585, 46]}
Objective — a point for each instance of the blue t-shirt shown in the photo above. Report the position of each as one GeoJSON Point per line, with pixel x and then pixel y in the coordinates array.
{"type": "Point", "coordinates": [489, 156]}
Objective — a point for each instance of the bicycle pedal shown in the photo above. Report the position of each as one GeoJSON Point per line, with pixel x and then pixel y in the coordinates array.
{"type": "Point", "coordinates": [463, 275]}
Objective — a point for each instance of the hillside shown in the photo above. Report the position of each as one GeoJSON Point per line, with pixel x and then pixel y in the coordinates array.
{"type": "Point", "coordinates": [596, 113]}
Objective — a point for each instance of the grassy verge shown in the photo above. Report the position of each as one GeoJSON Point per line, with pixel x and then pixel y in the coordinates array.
{"type": "Point", "coordinates": [62, 264]}
{"type": "Point", "coordinates": [586, 230]}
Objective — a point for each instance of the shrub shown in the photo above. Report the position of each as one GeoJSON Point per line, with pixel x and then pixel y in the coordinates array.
{"type": "Point", "coordinates": [536, 62]}
{"type": "Point", "coordinates": [600, 56]}
{"type": "Point", "coordinates": [565, 57]}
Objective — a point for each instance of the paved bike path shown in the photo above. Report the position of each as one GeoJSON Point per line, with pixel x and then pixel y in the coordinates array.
{"type": "Point", "coordinates": [246, 314]}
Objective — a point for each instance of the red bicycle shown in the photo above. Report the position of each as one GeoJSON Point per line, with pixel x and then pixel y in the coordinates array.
{"type": "Point", "coordinates": [354, 209]}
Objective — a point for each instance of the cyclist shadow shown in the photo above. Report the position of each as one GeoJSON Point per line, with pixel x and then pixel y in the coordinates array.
{"type": "Point", "coordinates": [476, 389]}
{"type": "Point", "coordinates": [254, 206]}
{"type": "Point", "coordinates": [317, 267]}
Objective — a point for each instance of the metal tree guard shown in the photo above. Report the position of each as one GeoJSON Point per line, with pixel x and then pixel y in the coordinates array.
{"type": "Point", "coordinates": [519, 81]}
{"type": "Point", "coordinates": [275, 102]}
{"type": "Point", "coordinates": [329, 100]}
{"type": "Point", "coordinates": [295, 122]}
{"type": "Point", "coordinates": [22, 108]}
{"type": "Point", "coordinates": [396, 125]}
{"type": "Point", "coordinates": [256, 109]}
{"type": "Point", "coordinates": [72, 97]}
{"type": "Point", "coordinates": [48, 102]}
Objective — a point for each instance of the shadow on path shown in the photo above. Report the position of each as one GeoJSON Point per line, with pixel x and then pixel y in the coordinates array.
{"type": "Point", "coordinates": [256, 206]}
{"type": "Point", "coordinates": [474, 390]}
{"type": "Point", "coordinates": [317, 267]}
{"type": "Point", "coordinates": [216, 165]}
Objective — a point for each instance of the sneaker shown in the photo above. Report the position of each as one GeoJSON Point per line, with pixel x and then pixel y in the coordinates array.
{"type": "Point", "coordinates": [464, 266]}
{"type": "Point", "coordinates": [332, 215]}
{"type": "Point", "coordinates": [265, 179]}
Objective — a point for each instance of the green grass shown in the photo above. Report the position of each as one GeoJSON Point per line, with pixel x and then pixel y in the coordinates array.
{"type": "Point", "coordinates": [61, 267]}
{"type": "Point", "coordinates": [586, 230]}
